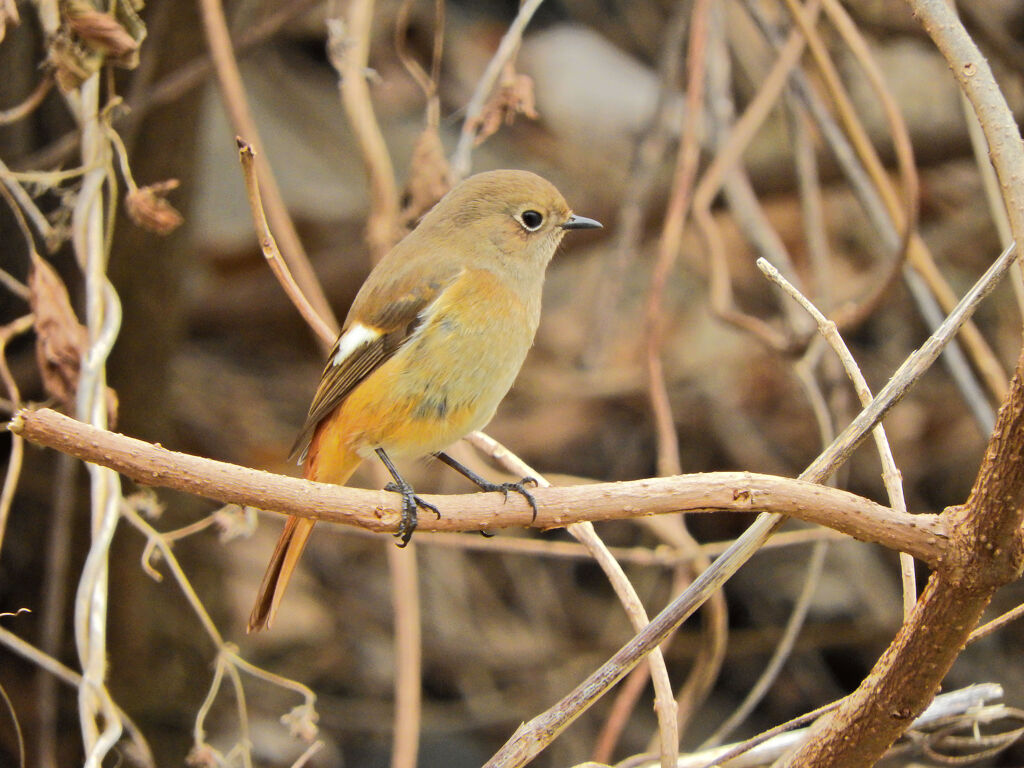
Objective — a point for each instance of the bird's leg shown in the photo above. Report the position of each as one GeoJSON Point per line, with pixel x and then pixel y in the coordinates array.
{"type": "Point", "coordinates": [410, 501]}
{"type": "Point", "coordinates": [487, 485]}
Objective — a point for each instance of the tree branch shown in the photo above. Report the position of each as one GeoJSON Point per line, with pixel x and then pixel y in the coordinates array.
{"type": "Point", "coordinates": [923, 536]}
{"type": "Point", "coordinates": [984, 553]}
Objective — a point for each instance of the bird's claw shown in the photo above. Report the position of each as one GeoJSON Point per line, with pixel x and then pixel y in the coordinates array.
{"type": "Point", "coordinates": [519, 487]}
{"type": "Point", "coordinates": [410, 503]}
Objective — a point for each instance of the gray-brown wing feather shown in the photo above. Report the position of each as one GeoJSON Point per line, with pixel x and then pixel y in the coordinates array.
{"type": "Point", "coordinates": [397, 323]}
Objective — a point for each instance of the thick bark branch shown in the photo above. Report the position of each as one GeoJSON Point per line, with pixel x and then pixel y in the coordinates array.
{"type": "Point", "coordinates": [984, 554]}
{"type": "Point", "coordinates": [923, 536]}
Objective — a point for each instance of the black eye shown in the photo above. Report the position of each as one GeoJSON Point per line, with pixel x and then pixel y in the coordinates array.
{"type": "Point", "coordinates": [532, 220]}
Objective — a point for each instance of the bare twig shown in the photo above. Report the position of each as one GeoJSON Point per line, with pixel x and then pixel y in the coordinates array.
{"type": "Point", "coordinates": [33, 100]}
{"type": "Point", "coordinates": [348, 48]}
{"type": "Point", "coordinates": [891, 476]}
{"type": "Point", "coordinates": [671, 237]}
{"type": "Point", "coordinates": [68, 676]}
{"type": "Point", "coordinates": [233, 92]}
{"type": "Point", "coordinates": [723, 163]}
{"type": "Point", "coordinates": [461, 158]}
{"type": "Point", "coordinates": [101, 726]}
{"type": "Point", "coordinates": [268, 245]}
{"type": "Point", "coordinates": [405, 596]}
{"type": "Point", "coordinates": [782, 651]}
{"type": "Point", "coordinates": [997, 623]}
{"type": "Point", "coordinates": [8, 332]}
{"type": "Point", "coordinates": [585, 533]}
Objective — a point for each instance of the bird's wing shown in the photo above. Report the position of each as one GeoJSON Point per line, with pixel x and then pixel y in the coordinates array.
{"type": "Point", "coordinates": [368, 340]}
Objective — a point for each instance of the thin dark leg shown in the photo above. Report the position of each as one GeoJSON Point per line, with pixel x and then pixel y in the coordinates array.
{"type": "Point", "coordinates": [410, 501]}
{"type": "Point", "coordinates": [487, 485]}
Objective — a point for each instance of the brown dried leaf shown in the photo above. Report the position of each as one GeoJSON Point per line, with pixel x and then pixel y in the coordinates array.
{"type": "Point", "coordinates": [8, 16]}
{"type": "Point", "coordinates": [149, 209]}
{"type": "Point", "coordinates": [429, 177]}
{"type": "Point", "coordinates": [99, 30]}
{"type": "Point", "coordinates": [72, 63]}
{"type": "Point", "coordinates": [513, 97]}
{"type": "Point", "coordinates": [60, 339]}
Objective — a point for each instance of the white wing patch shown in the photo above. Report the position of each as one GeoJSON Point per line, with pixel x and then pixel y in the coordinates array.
{"type": "Point", "coordinates": [355, 337]}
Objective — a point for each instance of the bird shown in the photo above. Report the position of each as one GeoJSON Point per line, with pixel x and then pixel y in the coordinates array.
{"type": "Point", "coordinates": [431, 344]}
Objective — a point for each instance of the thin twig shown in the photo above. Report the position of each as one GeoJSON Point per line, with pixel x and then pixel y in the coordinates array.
{"type": "Point", "coordinates": [671, 237]}
{"type": "Point", "coordinates": [462, 157]}
{"type": "Point", "coordinates": [405, 597]}
{"type": "Point", "coordinates": [348, 49]}
{"type": "Point", "coordinates": [891, 476]}
{"type": "Point", "coordinates": [321, 326]}
{"type": "Point", "coordinates": [33, 100]}
{"type": "Point", "coordinates": [997, 623]}
{"type": "Point", "coordinates": [103, 320]}
{"type": "Point", "coordinates": [27, 205]}
{"type": "Point", "coordinates": [232, 90]}
{"type": "Point", "coordinates": [17, 453]}
{"type": "Point", "coordinates": [725, 160]}
{"type": "Point", "coordinates": [640, 556]}
{"type": "Point", "coordinates": [782, 651]}
{"type": "Point", "coordinates": [68, 676]}
{"type": "Point", "coordinates": [585, 533]}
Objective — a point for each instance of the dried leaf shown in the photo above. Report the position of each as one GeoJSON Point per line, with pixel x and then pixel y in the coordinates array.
{"type": "Point", "coordinates": [98, 30]}
{"type": "Point", "coordinates": [429, 177]}
{"type": "Point", "coordinates": [72, 63]}
{"type": "Point", "coordinates": [60, 339]}
{"type": "Point", "coordinates": [149, 209]}
{"type": "Point", "coordinates": [302, 722]}
{"type": "Point", "coordinates": [204, 756]}
{"type": "Point", "coordinates": [514, 96]}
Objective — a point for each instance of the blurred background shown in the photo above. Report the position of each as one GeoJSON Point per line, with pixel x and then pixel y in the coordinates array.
{"type": "Point", "coordinates": [212, 359]}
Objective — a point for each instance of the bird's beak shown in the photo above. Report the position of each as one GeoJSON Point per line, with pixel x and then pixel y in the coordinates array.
{"type": "Point", "coordinates": [581, 222]}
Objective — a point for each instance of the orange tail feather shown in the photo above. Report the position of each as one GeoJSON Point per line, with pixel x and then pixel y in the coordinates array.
{"type": "Point", "coordinates": [279, 571]}
{"type": "Point", "coordinates": [326, 462]}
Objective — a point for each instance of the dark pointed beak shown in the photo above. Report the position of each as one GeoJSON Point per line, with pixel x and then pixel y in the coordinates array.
{"type": "Point", "coordinates": [581, 222]}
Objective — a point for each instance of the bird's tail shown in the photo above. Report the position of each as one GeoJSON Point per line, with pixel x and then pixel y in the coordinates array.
{"type": "Point", "coordinates": [324, 463]}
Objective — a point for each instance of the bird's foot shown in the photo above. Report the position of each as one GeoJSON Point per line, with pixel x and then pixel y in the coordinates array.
{"type": "Point", "coordinates": [410, 504]}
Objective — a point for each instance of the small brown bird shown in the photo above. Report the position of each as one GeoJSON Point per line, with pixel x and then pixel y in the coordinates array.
{"type": "Point", "coordinates": [431, 345]}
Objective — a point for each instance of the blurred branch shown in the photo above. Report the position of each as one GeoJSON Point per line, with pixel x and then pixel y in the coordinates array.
{"type": "Point", "coordinates": [150, 464]}
{"type": "Point", "coordinates": [232, 89]}
{"type": "Point", "coordinates": [671, 238]}
{"type": "Point", "coordinates": [142, 753]}
{"type": "Point", "coordinates": [405, 597]}
{"type": "Point", "coordinates": [33, 100]}
{"type": "Point", "coordinates": [348, 49]}
{"type": "Point", "coordinates": [647, 161]}
{"type": "Point", "coordinates": [461, 158]}
{"type": "Point", "coordinates": [727, 157]}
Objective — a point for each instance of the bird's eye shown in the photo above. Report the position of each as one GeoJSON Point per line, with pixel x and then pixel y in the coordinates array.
{"type": "Point", "coordinates": [531, 220]}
